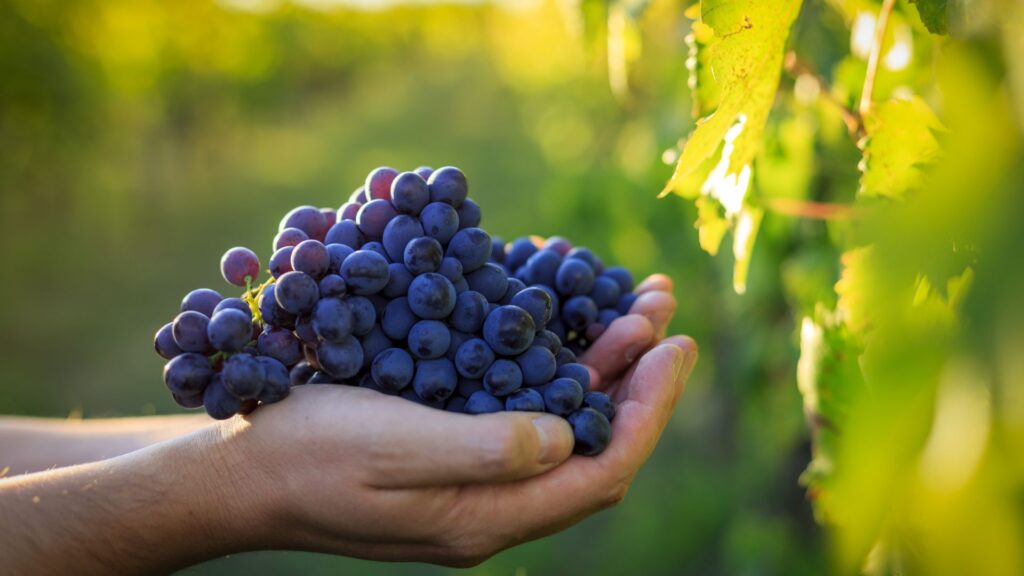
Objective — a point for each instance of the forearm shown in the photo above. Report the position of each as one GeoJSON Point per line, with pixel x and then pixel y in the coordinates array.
{"type": "Point", "coordinates": [35, 444]}
{"type": "Point", "coordinates": [153, 510]}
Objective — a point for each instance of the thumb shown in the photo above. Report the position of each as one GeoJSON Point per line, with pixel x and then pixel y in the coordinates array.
{"type": "Point", "coordinates": [448, 448]}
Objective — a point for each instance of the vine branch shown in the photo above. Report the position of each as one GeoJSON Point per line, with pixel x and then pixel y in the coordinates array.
{"type": "Point", "coordinates": [795, 66]}
{"type": "Point", "coordinates": [811, 210]}
{"type": "Point", "coordinates": [876, 55]}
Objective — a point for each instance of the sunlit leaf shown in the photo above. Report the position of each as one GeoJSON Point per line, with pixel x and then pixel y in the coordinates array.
{"type": "Point", "coordinates": [701, 81]}
{"type": "Point", "coordinates": [900, 140]}
{"type": "Point", "coordinates": [711, 226]}
{"type": "Point", "coordinates": [934, 15]}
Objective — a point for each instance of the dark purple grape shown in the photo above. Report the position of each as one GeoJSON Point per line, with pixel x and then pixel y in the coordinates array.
{"type": "Point", "coordinates": [558, 244]}
{"type": "Point", "coordinates": [341, 359]}
{"type": "Point", "coordinates": [374, 216]}
{"type": "Point", "coordinates": [365, 272]}
{"type": "Point", "coordinates": [164, 343]}
{"type": "Point", "coordinates": [330, 215]}
{"type": "Point", "coordinates": [587, 256]}
{"type": "Point", "coordinates": [346, 233]}
{"type": "Point", "coordinates": [565, 356]}
{"type": "Point", "coordinates": [218, 402]}
{"type": "Point", "coordinates": [605, 292]}
{"type": "Point", "coordinates": [483, 402]}
{"type": "Point", "coordinates": [398, 233]}
{"type": "Point", "coordinates": [472, 247]}
{"type": "Point", "coordinates": [364, 314]}
{"type": "Point", "coordinates": [440, 221]}
{"type": "Point", "coordinates": [448, 184]}
{"type": "Point", "coordinates": [579, 312]}
{"type": "Point", "coordinates": [542, 268]}
{"type": "Point", "coordinates": [281, 262]}
{"type": "Point", "coordinates": [289, 237]}
{"type": "Point", "coordinates": [429, 339]}
{"type": "Point", "coordinates": [497, 250]}
{"type": "Point", "coordinates": [239, 264]}
{"type": "Point", "coordinates": [321, 377]}
{"type": "Point", "coordinates": [525, 400]}
{"type": "Point", "coordinates": [591, 430]}
{"type": "Point", "coordinates": [626, 303]}
{"type": "Point", "coordinates": [280, 344]}
{"type": "Point", "coordinates": [473, 358]}
{"type": "Point", "coordinates": [332, 286]}
{"type": "Point", "coordinates": [509, 330]}
{"type": "Point", "coordinates": [549, 340]}
{"type": "Point", "coordinates": [601, 402]}
{"type": "Point", "coordinates": [455, 405]}
{"type": "Point", "coordinates": [187, 374]}
{"type": "Point", "coordinates": [304, 331]}
{"type": "Point", "coordinates": [271, 312]}
{"type": "Point", "coordinates": [229, 330]}
{"type": "Point", "coordinates": [431, 296]}
{"type": "Point", "coordinates": [574, 277]}
{"type": "Point", "coordinates": [374, 343]}
{"type": "Point", "coordinates": [189, 332]}
{"type": "Point", "coordinates": [338, 253]}
{"type": "Point", "coordinates": [606, 316]}
{"type": "Point", "coordinates": [424, 172]}
{"type": "Point", "coordinates": [457, 339]}
{"type": "Point", "coordinates": [423, 255]}
{"type": "Point", "coordinates": [562, 396]}
{"type": "Point", "coordinates": [503, 378]}
{"type": "Point", "coordinates": [233, 304]}
{"type": "Point", "coordinates": [392, 369]}
{"type": "Point", "coordinates": [297, 293]}
{"type": "Point", "coordinates": [301, 373]}
{"type": "Point", "coordinates": [489, 280]}
{"type": "Point", "coordinates": [276, 380]}
{"type": "Point", "coordinates": [577, 372]}
{"type": "Point", "coordinates": [243, 376]}
{"type": "Point", "coordinates": [519, 252]}
{"type": "Point", "coordinates": [460, 285]}
{"type": "Point", "coordinates": [469, 214]}
{"type": "Point", "coordinates": [515, 286]}
{"type": "Point", "coordinates": [378, 183]}
{"type": "Point", "coordinates": [409, 193]}
{"type": "Point", "coordinates": [202, 300]}
{"type": "Point", "coordinates": [332, 319]}
{"type": "Point", "coordinates": [450, 268]}
{"type": "Point", "coordinates": [467, 387]}
{"type": "Point", "coordinates": [435, 380]}
{"type": "Point", "coordinates": [312, 258]}
{"type": "Point", "coordinates": [359, 196]}
{"type": "Point", "coordinates": [470, 311]}
{"type": "Point", "coordinates": [308, 219]}
{"type": "Point", "coordinates": [537, 365]}
{"type": "Point", "coordinates": [376, 247]}
{"type": "Point", "coordinates": [348, 211]}
{"type": "Point", "coordinates": [190, 402]}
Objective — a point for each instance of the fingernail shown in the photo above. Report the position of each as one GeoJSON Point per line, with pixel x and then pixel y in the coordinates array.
{"type": "Point", "coordinates": [555, 438]}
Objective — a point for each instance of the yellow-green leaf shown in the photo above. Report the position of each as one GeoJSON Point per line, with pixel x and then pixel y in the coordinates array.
{"type": "Point", "coordinates": [900, 140]}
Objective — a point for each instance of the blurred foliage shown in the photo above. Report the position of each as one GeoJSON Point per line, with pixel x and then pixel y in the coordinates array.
{"type": "Point", "coordinates": [140, 139]}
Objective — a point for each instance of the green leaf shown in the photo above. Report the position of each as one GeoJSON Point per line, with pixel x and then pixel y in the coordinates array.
{"type": "Point", "coordinates": [701, 81]}
{"type": "Point", "coordinates": [900, 140]}
{"type": "Point", "coordinates": [934, 15]}
{"type": "Point", "coordinates": [746, 59]}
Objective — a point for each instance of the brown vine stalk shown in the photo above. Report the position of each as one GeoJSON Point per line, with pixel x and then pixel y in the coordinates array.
{"type": "Point", "coordinates": [876, 55]}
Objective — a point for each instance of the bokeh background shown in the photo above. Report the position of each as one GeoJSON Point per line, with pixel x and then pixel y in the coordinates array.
{"type": "Point", "coordinates": [140, 139]}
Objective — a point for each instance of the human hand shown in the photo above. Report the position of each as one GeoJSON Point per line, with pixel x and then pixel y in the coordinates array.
{"type": "Point", "coordinates": [351, 471]}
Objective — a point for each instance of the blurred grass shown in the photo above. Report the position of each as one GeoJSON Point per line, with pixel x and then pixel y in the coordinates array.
{"type": "Point", "coordinates": [141, 139]}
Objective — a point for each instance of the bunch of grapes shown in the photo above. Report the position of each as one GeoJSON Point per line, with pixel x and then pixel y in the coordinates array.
{"type": "Point", "coordinates": [401, 291]}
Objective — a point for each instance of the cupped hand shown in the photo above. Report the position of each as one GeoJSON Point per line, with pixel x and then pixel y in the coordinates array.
{"type": "Point", "coordinates": [351, 471]}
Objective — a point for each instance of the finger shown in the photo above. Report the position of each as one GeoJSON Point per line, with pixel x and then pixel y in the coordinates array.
{"type": "Point", "coordinates": [620, 345]}
{"type": "Point", "coordinates": [658, 307]}
{"type": "Point", "coordinates": [426, 447]}
{"type": "Point", "coordinates": [655, 282]}
{"type": "Point", "coordinates": [547, 503]}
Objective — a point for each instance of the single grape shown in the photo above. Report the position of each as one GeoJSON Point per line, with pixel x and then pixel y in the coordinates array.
{"type": "Point", "coordinates": [509, 330]}
{"type": "Point", "coordinates": [587, 256]}
{"type": "Point", "coordinates": [537, 365]}
{"type": "Point", "coordinates": [271, 312]}
{"type": "Point", "coordinates": [393, 369]}
{"type": "Point", "coordinates": [450, 268]}
{"type": "Point", "coordinates": [191, 401]}
{"type": "Point", "coordinates": [431, 296]}
{"type": "Point", "coordinates": [164, 343]}
{"type": "Point", "coordinates": [364, 315]}
{"type": "Point", "coordinates": [374, 216]}
{"type": "Point", "coordinates": [239, 264]}
{"type": "Point", "coordinates": [606, 316]}
{"type": "Point", "coordinates": [429, 339]}
{"type": "Point", "coordinates": [373, 343]}
{"type": "Point", "coordinates": [518, 252]}
{"type": "Point", "coordinates": [348, 211]}
{"type": "Point", "coordinates": [458, 338]}
{"type": "Point", "coordinates": [626, 302]}
{"type": "Point", "coordinates": [579, 312]}
{"type": "Point", "coordinates": [473, 358]}
{"type": "Point", "coordinates": [542, 268]}
{"type": "Point", "coordinates": [398, 233]}
{"type": "Point", "coordinates": [346, 233]}
{"type": "Point", "coordinates": [333, 286]}
{"type": "Point", "coordinates": [489, 280]}
{"type": "Point", "coordinates": [359, 196]}
{"type": "Point", "coordinates": [219, 403]}
{"type": "Point", "coordinates": [537, 303]}
{"type": "Point", "coordinates": [243, 376]}
{"type": "Point", "coordinates": [471, 247]}
{"type": "Point", "coordinates": [470, 311]}
{"type": "Point", "coordinates": [577, 372]}
{"type": "Point", "coordinates": [365, 272]}
{"type": "Point", "coordinates": [189, 332]}
{"type": "Point", "coordinates": [202, 300]}
{"type": "Point", "coordinates": [435, 380]}
{"type": "Point", "coordinates": [289, 237]}
{"type": "Point", "coordinates": [525, 400]}
{"type": "Point", "coordinates": [332, 319]}
{"type": "Point", "coordinates": [308, 219]}
{"type": "Point", "coordinates": [399, 279]}
{"type": "Point", "coordinates": [376, 247]}
{"type": "Point", "coordinates": [379, 182]}
{"type": "Point", "coordinates": [330, 216]}
{"type": "Point", "coordinates": [549, 340]}
{"type": "Point", "coordinates": [503, 377]}
{"type": "Point", "coordinates": [440, 221]}
{"type": "Point", "coordinates": [341, 359]}
{"type": "Point", "coordinates": [276, 381]}
{"type": "Point", "coordinates": [460, 285]}
{"type": "Point", "coordinates": [497, 250]}
{"type": "Point", "coordinates": [297, 292]}
{"type": "Point", "coordinates": [304, 331]}
{"type": "Point", "coordinates": [424, 172]}
{"type": "Point", "coordinates": [423, 255]}
{"type": "Point", "coordinates": [601, 402]}
{"type": "Point", "coordinates": [233, 304]}
{"type": "Point", "coordinates": [311, 257]}
{"type": "Point", "coordinates": [281, 261]}
{"type": "Point", "coordinates": [605, 292]}
{"type": "Point", "coordinates": [409, 193]}
{"type": "Point", "coordinates": [448, 184]}
{"type": "Point", "coordinates": [565, 356]}
{"type": "Point", "coordinates": [574, 277]}
{"type": "Point", "coordinates": [301, 373]}
{"type": "Point", "coordinates": [483, 402]}
{"type": "Point", "coordinates": [591, 430]}
{"type": "Point", "coordinates": [562, 396]}
{"type": "Point", "coordinates": [469, 214]}
{"type": "Point", "coordinates": [515, 286]}
{"type": "Point", "coordinates": [229, 330]}
{"type": "Point", "coordinates": [558, 244]}
{"type": "Point", "coordinates": [280, 344]}
{"type": "Point", "coordinates": [187, 374]}
{"type": "Point", "coordinates": [338, 254]}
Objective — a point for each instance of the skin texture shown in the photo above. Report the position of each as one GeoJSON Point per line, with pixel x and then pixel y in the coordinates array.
{"type": "Point", "coordinates": [334, 469]}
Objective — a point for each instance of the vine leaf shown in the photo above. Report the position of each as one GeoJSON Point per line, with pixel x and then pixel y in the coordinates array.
{"type": "Point", "coordinates": [934, 15]}
{"type": "Point", "coordinates": [900, 141]}
{"type": "Point", "coordinates": [739, 46]}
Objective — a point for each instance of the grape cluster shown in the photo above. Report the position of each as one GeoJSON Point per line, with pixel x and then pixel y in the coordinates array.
{"type": "Point", "coordinates": [401, 291]}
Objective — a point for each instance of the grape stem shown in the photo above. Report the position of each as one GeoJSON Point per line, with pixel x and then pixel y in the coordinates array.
{"type": "Point", "coordinates": [881, 27]}
{"type": "Point", "coordinates": [796, 66]}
